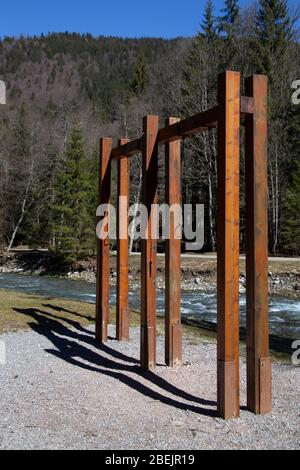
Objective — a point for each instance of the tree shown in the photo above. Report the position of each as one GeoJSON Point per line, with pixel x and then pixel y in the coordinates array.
{"type": "Point", "coordinates": [138, 107]}
{"type": "Point", "coordinates": [198, 93]}
{"type": "Point", "coordinates": [228, 29]}
{"type": "Point", "coordinates": [139, 81]}
{"type": "Point", "coordinates": [110, 84]}
{"type": "Point", "coordinates": [20, 177]}
{"type": "Point", "coordinates": [71, 222]}
{"type": "Point", "coordinates": [228, 21]}
{"type": "Point", "coordinates": [274, 30]}
{"type": "Point", "coordinates": [290, 242]}
{"type": "Point", "coordinates": [291, 225]}
{"type": "Point", "coordinates": [208, 25]}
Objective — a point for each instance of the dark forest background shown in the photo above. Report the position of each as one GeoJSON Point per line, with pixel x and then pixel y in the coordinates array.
{"type": "Point", "coordinates": [67, 90]}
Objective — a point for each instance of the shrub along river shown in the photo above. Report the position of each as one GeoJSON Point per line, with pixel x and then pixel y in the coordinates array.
{"type": "Point", "coordinates": [195, 306]}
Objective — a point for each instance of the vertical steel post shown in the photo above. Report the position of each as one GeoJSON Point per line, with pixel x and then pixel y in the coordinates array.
{"type": "Point", "coordinates": [228, 244]}
{"type": "Point", "coordinates": [173, 327]}
{"type": "Point", "coordinates": [149, 245]}
{"type": "Point", "coordinates": [259, 374]}
{"type": "Point", "coordinates": [122, 248]}
{"type": "Point", "coordinates": [102, 288]}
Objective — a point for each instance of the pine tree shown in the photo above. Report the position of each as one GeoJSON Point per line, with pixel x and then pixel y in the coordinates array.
{"type": "Point", "coordinates": [291, 213]}
{"type": "Point", "coordinates": [139, 81]}
{"type": "Point", "coordinates": [291, 225]}
{"type": "Point", "coordinates": [72, 224]}
{"type": "Point", "coordinates": [228, 21]}
{"type": "Point", "coordinates": [294, 131]}
{"type": "Point", "coordinates": [208, 25]}
{"type": "Point", "coordinates": [228, 30]}
{"type": "Point", "coordinates": [273, 31]}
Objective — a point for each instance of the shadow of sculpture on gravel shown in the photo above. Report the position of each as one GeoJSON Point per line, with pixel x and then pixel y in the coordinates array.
{"type": "Point", "coordinates": [73, 344]}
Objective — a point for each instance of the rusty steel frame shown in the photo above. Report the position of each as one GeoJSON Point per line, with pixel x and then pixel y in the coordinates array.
{"type": "Point", "coordinates": [228, 244]}
{"type": "Point", "coordinates": [102, 287]}
{"type": "Point", "coordinates": [187, 127]}
{"type": "Point", "coordinates": [173, 327]}
{"type": "Point", "coordinates": [122, 324]}
{"type": "Point", "coordinates": [148, 260]}
{"type": "Point", "coordinates": [231, 111]}
{"type": "Point", "coordinates": [259, 381]}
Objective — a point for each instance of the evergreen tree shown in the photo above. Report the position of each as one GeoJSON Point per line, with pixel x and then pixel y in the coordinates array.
{"type": "Point", "coordinates": [227, 27]}
{"type": "Point", "coordinates": [228, 21]}
{"type": "Point", "coordinates": [294, 131]}
{"type": "Point", "coordinates": [291, 215]}
{"type": "Point", "coordinates": [273, 31]}
{"type": "Point", "coordinates": [72, 225]}
{"type": "Point", "coordinates": [291, 225]}
{"type": "Point", "coordinates": [139, 81]}
{"type": "Point", "coordinates": [208, 25]}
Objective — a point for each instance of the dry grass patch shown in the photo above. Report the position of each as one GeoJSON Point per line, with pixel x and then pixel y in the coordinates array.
{"type": "Point", "coordinates": [18, 311]}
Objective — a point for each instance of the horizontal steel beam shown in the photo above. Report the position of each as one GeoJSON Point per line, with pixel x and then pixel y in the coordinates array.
{"type": "Point", "coordinates": [131, 148]}
{"type": "Point", "coordinates": [187, 127]}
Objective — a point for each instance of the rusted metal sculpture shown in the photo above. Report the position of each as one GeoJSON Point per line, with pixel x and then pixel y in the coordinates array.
{"type": "Point", "coordinates": [228, 243]}
{"type": "Point", "coordinates": [102, 288]}
{"type": "Point", "coordinates": [231, 111]}
{"type": "Point", "coordinates": [258, 360]}
{"type": "Point", "coordinates": [173, 328]}
{"type": "Point", "coordinates": [122, 249]}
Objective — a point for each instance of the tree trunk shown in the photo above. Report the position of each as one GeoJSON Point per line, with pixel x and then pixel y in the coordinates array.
{"type": "Point", "coordinates": [23, 210]}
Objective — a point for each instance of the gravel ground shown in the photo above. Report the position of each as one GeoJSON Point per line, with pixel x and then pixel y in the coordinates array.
{"type": "Point", "coordinates": [58, 391]}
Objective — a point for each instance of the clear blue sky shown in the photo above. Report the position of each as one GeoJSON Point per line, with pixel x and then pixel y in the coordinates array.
{"type": "Point", "coordinates": [126, 18]}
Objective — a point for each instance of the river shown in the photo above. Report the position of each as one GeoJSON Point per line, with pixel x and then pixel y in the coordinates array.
{"type": "Point", "coordinates": [284, 312]}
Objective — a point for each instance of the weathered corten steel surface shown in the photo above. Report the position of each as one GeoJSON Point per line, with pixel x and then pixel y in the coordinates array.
{"type": "Point", "coordinates": [122, 248]}
{"type": "Point", "coordinates": [173, 328]}
{"type": "Point", "coordinates": [102, 289]}
{"type": "Point", "coordinates": [259, 393]}
{"type": "Point", "coordinates": [149, 245]}
{"type": "Point", "coordinates": [228, 244]}
{"type": "Point", "coordinates": [247, 105]}
{"type": "Point", "coordinates": [232, 110]}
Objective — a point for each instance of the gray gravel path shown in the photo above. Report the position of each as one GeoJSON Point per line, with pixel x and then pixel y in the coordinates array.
{"type": "Point", "coordinates": [58, 391]}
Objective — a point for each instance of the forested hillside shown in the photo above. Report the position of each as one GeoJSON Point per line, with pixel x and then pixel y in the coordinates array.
{"type": "Point", "coordinates": [66, 90]}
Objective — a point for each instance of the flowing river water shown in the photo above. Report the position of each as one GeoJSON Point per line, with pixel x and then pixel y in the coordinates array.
{"type": "Point", "coordinates": [284, 312]}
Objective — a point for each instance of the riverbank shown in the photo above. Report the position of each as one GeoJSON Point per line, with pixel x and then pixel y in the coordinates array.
{"type": "Point", "coordinates": [198, 273]}
{"type": "Point", "coordinates": [20, 310]}
{"type": "Point", "coordinates": [59, 390]}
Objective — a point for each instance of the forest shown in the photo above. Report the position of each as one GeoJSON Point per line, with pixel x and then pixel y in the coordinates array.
{"type": "Point", "coordinates": [65, 91]}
